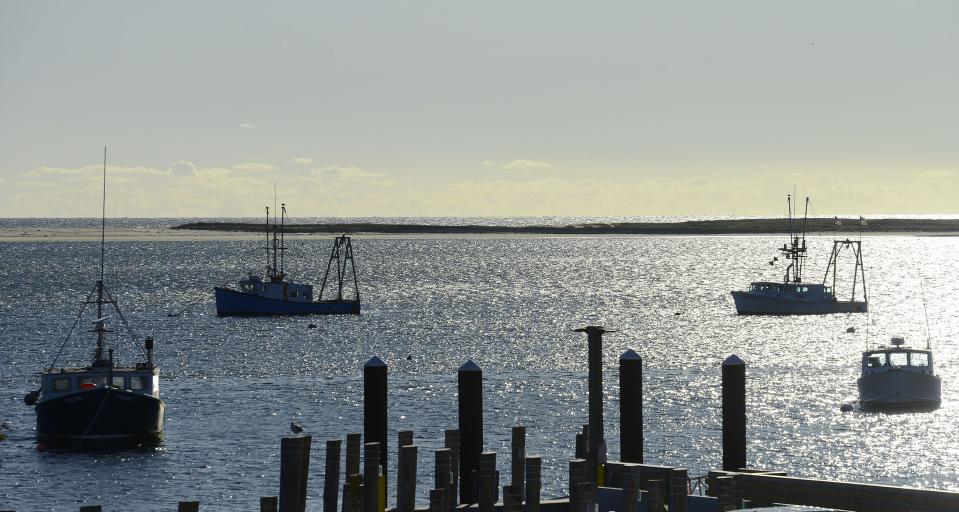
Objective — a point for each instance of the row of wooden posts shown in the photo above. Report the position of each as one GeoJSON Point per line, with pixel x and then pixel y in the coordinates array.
{"type": "Point", "coordinates": [464, 473]}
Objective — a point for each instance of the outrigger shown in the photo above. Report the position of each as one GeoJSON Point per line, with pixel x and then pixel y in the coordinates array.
{"type": "Point", "coordinates": [792, 296]}
{"type": "Point", "coordinates": [276, 295]}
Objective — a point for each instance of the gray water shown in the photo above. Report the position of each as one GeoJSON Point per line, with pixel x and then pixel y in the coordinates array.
{"type": "Point", "coordinates": [232, 385]}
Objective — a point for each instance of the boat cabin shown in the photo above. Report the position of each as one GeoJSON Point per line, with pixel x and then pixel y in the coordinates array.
{"type": "Point", "coordinates": [897, 356]}
{"type": "Point", "coordinates": [796, 289]}
{"type": "Point", "coordinates": [143, 379]}
{"type": "Point", "coordinates": [277, 290]}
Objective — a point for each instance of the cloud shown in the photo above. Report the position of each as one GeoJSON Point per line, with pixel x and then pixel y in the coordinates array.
{"type": "Point", "coordinates": [253, 167]}
{"type": "Point", "coordinates": [487, 163]}
{"type": "Point", "coordinates": [183, 168]}
{"type": "Point", "coordinates": [302, 160]}
{"type": "Point", "coordinates": [523, 164]}
{"type": "Point", "coordinates": [352, 173]}
{"type": "Point", "coordinates": [247, 125]}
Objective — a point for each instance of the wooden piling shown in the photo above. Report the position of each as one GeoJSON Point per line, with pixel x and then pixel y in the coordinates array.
{"type": "Point", "coordinates": [470, 388]}
{"type": "Point", "coordinates": [404, 438]}
{"type": "Point", "coordinates": [91, 508]}
{"type": "Point", "coordinates": [294, 472]}
{"type": "Point", "coordinates": [512, 499]}
{"type": "Point", "coordinates": [580, 451]}
{"type": "Point", "coordinates": [631, 407]}
{"type": "Point", "coordinates": [452, 441]}
{"type": "Point", "coordinates": [594, 336]}
{"type": "Point", "coordinates": [656, 490]}
{"type": "Point", "coordinates": [534, 483]}
{"type": "Point", "coordinates": [443, 474]}
{"type": "Point", "coordinates": [724, 493]}
{"type": "Point", "coordinates": [487, 481]}
{"type": "Point", "coordinates": [406, 478]}
{"type": "Point", "coordinates": [578, 471]}
{"type": "Point", "coordinates": [374, 406]}
{"type": "Point", "coordinates": [679, 490]}
{"type": "Point", "coordinates": [371, 477]}
{"type": "Point", "coordinates": [353, 493]}
{"type": "Point", "coordinates": [188, 506]}
{"type": "Point", "coordinates": [437, 500]}
{"type": "Point", "coordinates": [518, 458]}
{"type": "Point", "coordinates": [734, 413]}
{"type": "Point", "coordinates": [631, 489]}
{"type": "Point", "coordinates": [331, 476]}
{"type": "Point", "coordinates": [353, 445]}
{"type": "Point", "coordinates": [268, 504]}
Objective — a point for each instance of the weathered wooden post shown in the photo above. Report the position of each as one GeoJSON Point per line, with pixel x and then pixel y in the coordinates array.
{"type": "Point", "coordinates": [679, 490]}
{"type": "Point", "coordinates": [353, 493]}
{"type": "Point", "coordinates": [188, 506]}
{"type": "Point", "coordinates": [656, 490]}
{"type": "Point", "coordinates": [91, 508]}
{"type": "Point", "coordinates": [371, 477]}
{"type": "Point", "coordinates": [353, 444]}
{"type": "Point", "coordinates": [404, 438]}
{"type": "Point", "coordinates": [534, 483]}
{"type": "Point", "coordinates": [352, 474]}
{"type": "Point", "coordinates": [294, 472]}
{"type": "Point", "coordinates": [631, 489]}
{"type": "Point", "coordinates": [406, 478]}
{"type": "Point", "coordinates": [268, 504]}
{"type": "Point", "coordinates": [487, 481]}
{"type": "Point", "coordinates": [724, 493]}
{"type": "Point", "coordinates": [374, 406]}
{"type": "Point", "coordinates": [518, 461]}
{"type": "Point", "coordinates": [470, 387]}
{"type": "Point", "coordinates": [443, 460]}
{"type": "Point", "coordinates": [331, 476]}
{"type": "Point", "coordinates": [580, 452]}
{"type": "Point", "coordinates": [594, 334]}
{"type": "Point", "coordinates": [631, 407]}
{"type": "Point", "coordinates": [437, 500]}
{"type": "Point", "coordinates": [577, 475]}
{"type": "Point", "coordinates": [734, 413]}
{"type": "Point", "coordinates": [452, 441]}
{"type": "Point", "coordinates": [512, 499]}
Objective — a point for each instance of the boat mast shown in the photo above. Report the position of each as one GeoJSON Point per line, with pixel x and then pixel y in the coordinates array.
{"type": "Point", "coordinates": [100, 329]}
{"type": "Point", "coordinates": [267, 246]}
{"type": "Point", "coordinates": [282, 233]}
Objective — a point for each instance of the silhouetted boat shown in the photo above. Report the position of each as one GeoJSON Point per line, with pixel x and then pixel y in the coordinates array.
{"type": "Point", "coordinates": [794, 297]}
{"type": "Point", "coordinates": [276, 295]}
{"type": "Point", "coordinates": [899, 378]}
{"type": "Point", "coordinates": [104, 405]}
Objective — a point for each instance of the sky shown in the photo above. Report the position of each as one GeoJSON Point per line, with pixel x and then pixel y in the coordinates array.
{"type": "Point", "coordinates": [493, 108]}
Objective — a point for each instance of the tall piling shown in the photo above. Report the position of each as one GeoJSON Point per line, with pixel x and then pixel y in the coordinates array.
{"type": "Point", "coordinates": [631, 407]}
{"type": "Point", "coordinates": [443, 474]}
{"type": "Point", "coordinates": [294, 472]}
{"type": "Point", "coordinates": [452, 441]}
{"type": "Point", "coordinates": [518, 459]}
{"type": "Point", "coordinates": [487, 484]}
{"type": "Point", "coordinates": [374, 406]}
{"type": "Point", "coordinates": [470, 387]}
{"type": "Point", "coordinates": [268, 504]}
{"type": "Point", "coordinates": [534, 483]}
{"type": "Point", "coordinates": [331, 477]}
{"type": "Point", "coordinates": [371, 477]}
{"type": "Point", "coordinates": [594, 336]}
{"type": "Point", "coordinates": [734, 413]}
{"type": "Point", "coordinates": [406, 478]}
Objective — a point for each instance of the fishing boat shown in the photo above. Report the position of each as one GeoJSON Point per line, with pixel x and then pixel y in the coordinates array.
{"type": "Point", "coordinates": [274, 294]}
{"type": "Point", "coordinates": [106, 404]}
{"type": "Point", "coordinates": [899, 378]}
{"type": "Point", "coordinates": [793, 296]}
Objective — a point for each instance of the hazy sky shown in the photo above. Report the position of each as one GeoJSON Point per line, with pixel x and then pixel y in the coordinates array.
{"type": "Point", "coordinates": [480, 108]}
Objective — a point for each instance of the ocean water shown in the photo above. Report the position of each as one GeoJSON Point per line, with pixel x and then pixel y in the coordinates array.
{"type": "Point", "coordinates": [232, 385]}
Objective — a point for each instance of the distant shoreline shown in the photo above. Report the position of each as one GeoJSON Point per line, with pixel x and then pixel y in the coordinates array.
{"type": "Point", "coordinates": [704, 227]}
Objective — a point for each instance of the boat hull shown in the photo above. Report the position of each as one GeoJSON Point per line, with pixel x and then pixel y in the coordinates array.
{"type": "Point", "coordinates": [899, 390]}
{"type": "Point", "coordinates": [100, 418]}
{"type": "Point", "coordinates": [757, 304]}
{"type": "Point", "coordinates": [234, 303]}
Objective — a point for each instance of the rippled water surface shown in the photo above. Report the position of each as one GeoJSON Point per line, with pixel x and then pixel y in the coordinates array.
{"type": "Point", "coordinates": [232, 385]}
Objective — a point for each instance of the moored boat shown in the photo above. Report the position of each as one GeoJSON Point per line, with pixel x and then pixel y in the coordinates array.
{"type": "Point", "coordinates": [106, 404]}
{"type": "Point", "coordinates": [274, 294]}
{"type": "Point", "coordinates": [899, 378]}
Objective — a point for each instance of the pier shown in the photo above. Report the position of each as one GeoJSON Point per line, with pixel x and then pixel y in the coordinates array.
{"type": "Point", "coordinates": [465, 477]}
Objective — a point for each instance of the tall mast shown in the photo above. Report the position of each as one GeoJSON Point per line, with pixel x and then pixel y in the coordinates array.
{"type": "Point", "coordinates": [100, 328]}
{"type": "Point", "coordinates": [267, 246]}
{"type": "Point", "coordinates": [282, 233]}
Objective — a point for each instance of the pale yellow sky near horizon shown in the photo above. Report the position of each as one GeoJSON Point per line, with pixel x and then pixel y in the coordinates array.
{"type": "Point", "coordinates": [499, 109]}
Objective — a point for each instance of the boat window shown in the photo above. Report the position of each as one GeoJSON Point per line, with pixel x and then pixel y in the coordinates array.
{"type": "Point", "coordinates": [876, 360]}
{"type": "Point", "coordinates": [828, 289]}
{"type": "Point", "coordinates": [899, 358]}
{"type": "Point", "coordinates": [61, 384]}
{"type": "Point", "coordinates": [292, 294]}
{"type": "Point", "coordinates": [919, 359]}
{"type": "Point", "coordinates": [137, 382]}
{"type": "Point", "coordinates": [118, 382]}
{"type": "Point", "coordinates": [99, 381]}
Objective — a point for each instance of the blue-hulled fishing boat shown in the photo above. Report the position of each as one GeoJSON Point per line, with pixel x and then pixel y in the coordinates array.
{"type": "Point", "coordinates": [274, 294]}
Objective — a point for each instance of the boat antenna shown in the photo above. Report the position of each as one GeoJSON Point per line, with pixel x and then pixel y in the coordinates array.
{"type": "Point", "coordinates": [103, 215]}
{"type": "Point", "coordinates": [805, 220]}
{"type": "Point", "coordinates": [100, 329]}
{"type": "Point", "coordinates": [925, 312]}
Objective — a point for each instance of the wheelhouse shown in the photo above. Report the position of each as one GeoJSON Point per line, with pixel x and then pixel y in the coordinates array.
{"type": "Point", "coordinates": [897, 357]}
{"type": "Point", "coordinates": [141, 380]}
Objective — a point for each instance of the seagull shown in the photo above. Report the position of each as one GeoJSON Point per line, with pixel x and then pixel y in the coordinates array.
{"type": "Point", "coordinates": [296, 429]}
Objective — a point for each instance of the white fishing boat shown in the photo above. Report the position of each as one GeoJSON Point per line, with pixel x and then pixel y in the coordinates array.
{"type": "Point", "coordinates": [899, 378]}
{"type": "Point", "coordinates": [793, 296]}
